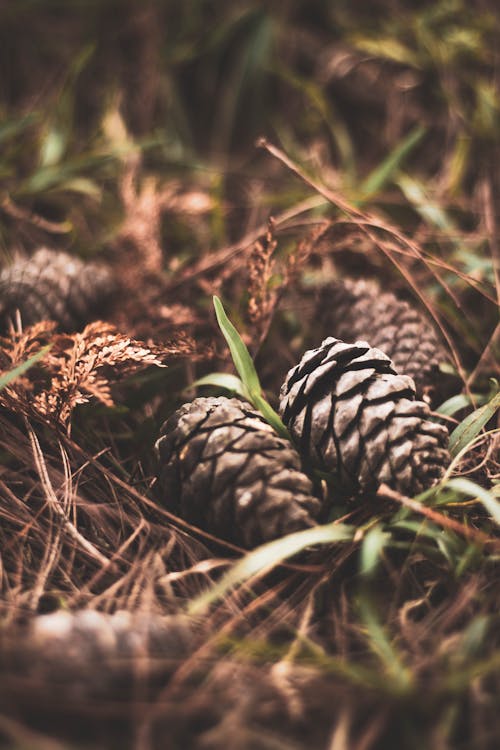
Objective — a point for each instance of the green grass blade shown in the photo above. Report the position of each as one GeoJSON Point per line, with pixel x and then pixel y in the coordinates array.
{"type": "Point", "coordinates": [240, 354]}
{"type": "Point", "coordinates": [454, 404]}
{"type": "Point", "coordinates": [472, 425]}
{"type": "Point", "coordinates": [246, 370]}
{"type": "Point", "coordinates": [471, 489]}
{"type": "Point", "coordinates": [373, 545]}
{"type": "Point", "coordinates": [379, 177]}
{"type": "Point", "coordinates": [8, 377]}
{"type": "Point", "coordinates": [265, 557]}
{"type": "Point", "coordinates": [378, 641]}
{"type": "Point", "coordinates": [430, 210]}
{"type": "Point", "coordinates": [12, 128]}
{"type": "Point", "coordinates": [271, 416]}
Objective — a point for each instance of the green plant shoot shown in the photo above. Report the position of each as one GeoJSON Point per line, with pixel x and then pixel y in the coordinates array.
{"type": "Point", "coordinates": [246, 370]}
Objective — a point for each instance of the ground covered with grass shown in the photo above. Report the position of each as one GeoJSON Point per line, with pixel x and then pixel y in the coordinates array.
{"type": "Point", "coordinates": [251, 151]}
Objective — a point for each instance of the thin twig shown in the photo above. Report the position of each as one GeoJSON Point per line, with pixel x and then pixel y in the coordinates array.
{"type": "Point", "coordinates": [22, 214]}
{"type": "Point", "coordinates": [210, 261]}
{"type": "Point", "coordinates": [475, 535]}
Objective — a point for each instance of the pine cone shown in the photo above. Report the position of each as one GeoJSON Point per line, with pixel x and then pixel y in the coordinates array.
{"type": "Point", "coordinates": [352, 310]}
{"type": "Point", "coordinates": [93, 654]}
{"type": "Point", "coordinates": [351, 415]}
{"type": "Point", "coordinates": [224, 469]}
{"type": "Point", "coordinates": [53, 286]}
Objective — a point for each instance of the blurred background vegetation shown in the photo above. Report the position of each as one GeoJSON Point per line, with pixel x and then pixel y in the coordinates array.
{"type": "Point", "coordinates": [345, 87]}
{"type": "Point", "coordinates": [394, 105]}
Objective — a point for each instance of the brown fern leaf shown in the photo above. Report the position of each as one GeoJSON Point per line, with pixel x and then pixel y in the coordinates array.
{"type": "Point", "coordinates": [78, 368]}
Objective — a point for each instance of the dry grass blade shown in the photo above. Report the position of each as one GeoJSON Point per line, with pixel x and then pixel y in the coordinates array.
{"type": "Point", "coordinates": [368, 223]}
{"type": "Point", "coordinates": [212, 261]}
{"type": "Point", "coordinates": [61, 509]}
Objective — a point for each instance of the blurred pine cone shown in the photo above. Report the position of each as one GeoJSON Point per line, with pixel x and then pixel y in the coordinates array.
{"type": "Point", "coordinates": [352, 416]}
{"type": "Point", "coordinates": [53, 285]}
{"type": "Point", "coordinates": [224, 469]}
{"type": "Point", "coordinates": [90, 654]}
{"type": "Point", "coordinates": [352, 310]}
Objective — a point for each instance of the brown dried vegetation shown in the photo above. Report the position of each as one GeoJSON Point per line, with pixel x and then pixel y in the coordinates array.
{"type": "Point", "coordinates": [77, 368]}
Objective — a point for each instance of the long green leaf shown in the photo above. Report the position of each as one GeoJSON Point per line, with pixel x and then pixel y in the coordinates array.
{"type": "Point", "coordinates": [471, 489]}
{"type": "Point", "coordinates": [379, 642]}
{"type": "Point", "coordinates": [429, 210]}
{"type": "Point", "coordinates": [240, 354]}
{"type": "Point", "coordinates": [8, 377]}
{"type": "Point", "coordinates": [246, 370]}
{"type": "Point", "coordinates": [271, 416]}
{"type": "Point", "coordinates": [472, 425]}
{"type": "Point", "coordinates": [374, 543]}
{"type": "Point", "coordinates": [267, 556]}
{"type": "Point", "coordinates": [454, 404]}
{"type": "Point", "coordinates": [14, 127]}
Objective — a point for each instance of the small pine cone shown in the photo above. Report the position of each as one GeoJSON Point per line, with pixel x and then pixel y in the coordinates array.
{"type": "Point", "coordinates": [352, 310]}
{"type": "Point", "coordinates": [224, 469]}
{"type": "Point", "coordinates": [352, 416]}
{"type": "Point", "coordinates": [53, 285]}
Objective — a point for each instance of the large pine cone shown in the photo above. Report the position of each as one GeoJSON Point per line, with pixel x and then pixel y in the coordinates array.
{"type": "Point", "coordinates": [352, 310]}
{"type": "Point", "coordinates": [352, 416]}
{"type": "Point", "coordinates": [53, 285]}
{"type": "Point", "coordinates": [224, 469]}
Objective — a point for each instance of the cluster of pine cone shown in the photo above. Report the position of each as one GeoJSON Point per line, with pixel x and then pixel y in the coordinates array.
{"type": "Point", "coordinates": [357, 413]}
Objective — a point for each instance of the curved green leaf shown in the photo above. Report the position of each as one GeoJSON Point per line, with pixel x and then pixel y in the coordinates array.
{"type": "Point", "coordinates": [240, 354]}
{"type": "Point", "coordinates": [224, 380]}
{"type": "Point", "coordinates": [471, 489]}
{"type": "Point", "coordinates": [246, 370]}
{"type": "Point", "coordinates": [268, 555]}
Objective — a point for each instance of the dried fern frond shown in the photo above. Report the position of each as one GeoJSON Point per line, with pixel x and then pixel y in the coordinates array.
{"type": "Point", "coordinates": [269, 277]}
{"type": "Point", "coordinates": [262, 299]}
{"type": "Point", "coordinates": [78, 368]}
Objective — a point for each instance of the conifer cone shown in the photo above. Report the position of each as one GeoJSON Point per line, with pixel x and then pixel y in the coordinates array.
{"type": "Point", "coordinates": [224, 469]}
{"type": "Point", "coordinates": [92, 654]}
{"type": "Point", "coordinates": [53, 285]}
{"type": "Point", "coordinates": [352, 310]}
{"type": "Point", "coordinates": [352, 416]}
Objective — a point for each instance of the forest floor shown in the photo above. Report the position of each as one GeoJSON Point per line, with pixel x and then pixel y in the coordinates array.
{"type": "Point", "coordinates": [248, 150]}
